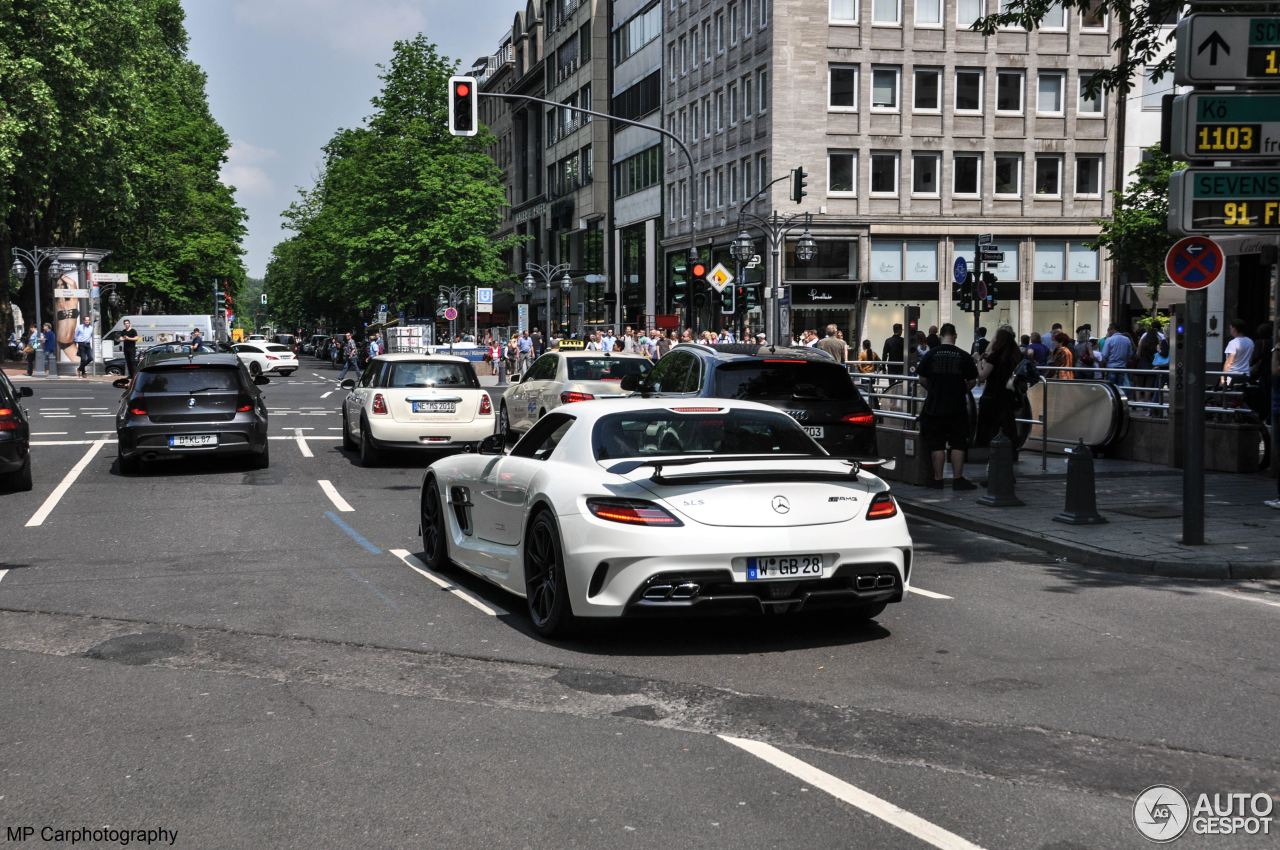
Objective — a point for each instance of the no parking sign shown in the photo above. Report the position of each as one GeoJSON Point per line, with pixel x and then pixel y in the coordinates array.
{"type": "Point", "coordinates": [1194, 262]}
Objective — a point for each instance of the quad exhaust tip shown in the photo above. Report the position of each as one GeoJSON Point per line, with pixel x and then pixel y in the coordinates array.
{"type": "Point", "coordinates": [684, 590]}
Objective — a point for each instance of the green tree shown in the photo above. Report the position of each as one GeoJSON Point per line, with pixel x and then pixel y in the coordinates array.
{"type": "Point", "coordinates": [1137, 234]}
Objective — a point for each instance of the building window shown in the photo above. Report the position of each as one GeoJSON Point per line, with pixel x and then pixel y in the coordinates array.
{"type": "Point", "coordinates": [927, 94]}
{"type": "Point", "coordinates": [1049, 93]}
{"type": "Point", "coordinates": [1094, 17]}
{"type": "Point", "coordinates": [706, 40]}
{"type": "Point", "coordinates": [886, 260]}
{"type": "Point", "coordinates": [1050, 259]}
{"type": "Point", "coordinates": [924, 174]}
{"type": "Point", "coordinates": [1152, 92]}
{"type": "Point", "coordinates": [748, 14]}
{"type": "Point", "coordinates": [842, 88]}
{"type": "Point", "coordinates": [671, 203]}
{"type": "Point", "coordinates": [719, 187]}
{"type": "Point", "coordinates": [1008, 175]}
{"type": "Point", "coordinates": [843, 12]}
{"type": "Point", "coordinates": [762, 170]}
{"type": "Point", "coordinates": [968, 11]}
{"type": "Point", "coordinates": [719, 109]}
{"type": "Point", "coordinates": [733, 23]}
{"type": "Point", "coordinates": [764, 13]}
{"type": "Point", "coordinates": [1055, 18]}
{"type": "Point", "coordinates": [1048, 175]}
{"type": "Point", "coordinates": [968, 90]}
{"type": "Point", "coordinates": [928, 13]}
{"type": "Point", "coordinates": [672, 61]}
{"type": "Point", "coordinates": [1088, 104]}
{"type": "Point", "coordinates": [748, 188]}
{"type": "Point", "coordinates": [693, 122]}
{"type": "Point", "coordinates": [842, 172]}
{"type": "Point", "coordinates": [966, 178]}
{"type": "Point", "coordinates": [693, 46]}
{"type": "Point", "coordinates": [1009, 92]}
{"type": "Point", "coordinates": [719, 32]}
{"type": "Point", "coordinates": [733, 104]}
{"type": "Point", "coordinates": [884, 89]}
{"type": "Point", "coordinates": [762, 87]}
{"type": "Point", "coordinates": [733, 183]}
{"type": "Point", "coordinates": [886, 12]}
{"type": "Point", "coordinates": [706, 117]}
{"type": "Point", "coordinates": [1088, 176]}
{"type": "Point", "coordinates": [706, 191]}
{"type": "Point", "coordinates": [636, 101]}
{"type": "Point", "coordinates": [1082, 262]}
{"type": "Point", "coordinates": [884, 174]}
{"type": "Point", "coordinates": [748, 93]}
{"type": "Point", "coordinates": [637, 172]}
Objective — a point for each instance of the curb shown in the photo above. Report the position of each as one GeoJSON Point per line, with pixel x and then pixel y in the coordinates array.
{"type": "Point", "coordinates": [1115, 562]}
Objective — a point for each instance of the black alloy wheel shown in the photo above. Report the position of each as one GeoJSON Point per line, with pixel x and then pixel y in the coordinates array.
{"type": "Point", "coordinates": [254, 369]}
{"type": "Point", "coordinates": [546, 591]}
{"type": "Point", "coordinates": [504, 423]}
{"type": "Point", "coordinates": [435, 552]}
{"type": "Point", "coordinates": [368, 452]}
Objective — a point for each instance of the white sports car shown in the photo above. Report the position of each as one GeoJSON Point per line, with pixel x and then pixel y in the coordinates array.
{"type": "Point", "coordinates": [655, 506]}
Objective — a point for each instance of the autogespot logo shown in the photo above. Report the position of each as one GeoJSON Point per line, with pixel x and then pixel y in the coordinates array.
{"type": "Point", "coordinates": [1161, 813]}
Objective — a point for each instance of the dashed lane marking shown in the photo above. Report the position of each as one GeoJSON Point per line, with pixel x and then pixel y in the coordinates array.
{"type": "Point", "coordinates": [884, 810]}
{"type": "Point", "coordinates": [927, 593]}
{"type": "Point", "coordinates": [48, 433]}
{"type": "Point", "coordinates": [329, 393]}
{"type": "Point", "coordinates": [50, 503]}
{"type": "Point", "coordinates": [1245, 597]}
{"type": "Point", "coordinates": [302, 443]}
{"type": "Point", "coordinates": [70, 442]}
{"type": "Point", "coordinates": [415, 564]}
{"type": "Point", "coordinates": [3, 573]}
{"type": "Point", "coordinates": [67, 398]}
{"type": "Point", "coordinates": [332, 492]}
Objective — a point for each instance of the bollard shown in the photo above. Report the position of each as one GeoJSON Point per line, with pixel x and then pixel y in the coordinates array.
{"type": "Point", "coordinates": [1082, 504]}
{"type": "Point", "coordinates": [502, 371]}
{"type": "Point", "coordinates": [1000, 475]}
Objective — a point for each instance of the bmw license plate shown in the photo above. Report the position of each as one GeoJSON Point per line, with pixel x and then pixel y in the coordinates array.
{"type": "Point", "coordinates": [193, 441]}
{"type": "Point", "coordinates": [815, 431]}
{"type": "Point", "coordinates": [435, 407]}
{"type": "Point", "coordinates": [785, 567]}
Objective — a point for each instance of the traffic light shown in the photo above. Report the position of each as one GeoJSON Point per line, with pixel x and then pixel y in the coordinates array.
{"type": "Point", "coordinates": [679, 281]}
{"type": "Point", "coordinates": [993, 291]}
{"type": "Point", "coordinates": [698, 273]}
{"type": "Point", "coordinates": [798, 178]}
{"type": "Point", "coordinates": [913, 319]}
{"type": "Point", "coordinates": [750, 294]}
{"type": "Point", "coordinates": [264, 299]}
{"type": "Point", "coordinates": [226, 299]}
{"type": "Point", "coordinates": [464, 111]}
{"type": "Point", "coordinates": [964, 293]}
{"type": "Point", "coordinates": [729, 300]}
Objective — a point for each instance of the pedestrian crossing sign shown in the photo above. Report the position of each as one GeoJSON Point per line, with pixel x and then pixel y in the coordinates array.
{"type": "Point", "coordinates": [719, 277]}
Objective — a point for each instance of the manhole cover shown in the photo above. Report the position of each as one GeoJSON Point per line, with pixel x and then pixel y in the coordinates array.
{"type": "Point", "coordinates": [138, 649]}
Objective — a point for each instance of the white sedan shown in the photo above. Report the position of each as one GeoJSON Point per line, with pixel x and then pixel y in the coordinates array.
{"type": "Point", "coordinates": [415, 401]}
{"type": "Point", "coordinates": [261, 358]}
{"type": "Point", "coordinates": [565, 377]}
{"type": "Point", "coordinates": [659, 506]}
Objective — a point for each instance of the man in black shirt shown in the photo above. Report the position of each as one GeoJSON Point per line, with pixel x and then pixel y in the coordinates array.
{"type": "Point", "coordinates": [948, 374]}
{"type": "Point", "coordinates": [129, 337]}
{"type": "Point", "coordinates": [895, 352]}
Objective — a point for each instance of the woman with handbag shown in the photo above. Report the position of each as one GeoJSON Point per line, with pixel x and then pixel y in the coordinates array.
{"type": "Point", "coordinates": [999, 403]}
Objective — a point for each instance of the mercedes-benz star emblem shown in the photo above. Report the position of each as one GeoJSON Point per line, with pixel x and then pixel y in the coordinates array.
{"type": "Point", "coordinates": [781, 505]}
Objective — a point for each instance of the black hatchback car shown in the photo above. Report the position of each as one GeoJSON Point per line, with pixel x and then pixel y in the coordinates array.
{"type": "Point", "coordinates": [15, 437]}
{"type": "Point", "coordinates": [192, 405]}
{"type": "Point", "coordinates": [806, 384]}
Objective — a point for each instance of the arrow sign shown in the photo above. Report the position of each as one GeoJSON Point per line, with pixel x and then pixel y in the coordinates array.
{"type": "Point", "coordinates": [1214, 43]}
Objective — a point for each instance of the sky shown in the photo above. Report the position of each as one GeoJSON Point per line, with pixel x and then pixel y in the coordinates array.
{"type": "Point", "coordinates": [284, 75]}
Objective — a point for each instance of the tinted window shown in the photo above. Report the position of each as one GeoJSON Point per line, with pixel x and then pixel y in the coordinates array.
{"type": "Point", "coordinates": [543, 437]}
{"type": "Point", "coordinates": [433, 375]}
{"type": "Point", "coordinates": [643, 433]}
{"type": "Point", "coordinates": [199, 379]}
{"type": "Point", "coordinates": [370, 372]}
{"type": "Point", "coordinates": [544, 368]}
{"type": "Point", "coordinates": [279, 348]}
{"type": "Point", "coordinates": [676, 373]}
{"type": "Point", "coordinates": [784, 379]}
{"type": "Point", "coordinates": [606, 368]}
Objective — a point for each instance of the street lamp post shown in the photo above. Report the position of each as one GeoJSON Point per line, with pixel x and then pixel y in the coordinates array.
{"type": "Point", "coordinates": [35, 257]}
{"type": "Point", "coordinates": [775, 228]}
{"type": "Point", "coordinates": [547, 272]}
{"type": "Point", "coordinates": [451, 297]}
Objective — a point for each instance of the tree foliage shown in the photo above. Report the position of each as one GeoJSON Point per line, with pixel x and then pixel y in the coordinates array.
{"type": "Point", "coordinates": [400, 206]}
{"type": "Point", "coordinates": [106, 141]}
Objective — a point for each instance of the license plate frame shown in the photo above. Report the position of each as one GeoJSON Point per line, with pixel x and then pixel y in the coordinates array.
{"type": "Point", "coordinates": [193, 441]}
{"type": "Point", "coordinates": [786, 567]}
{"type": "Point", "coordinates": [818, 432]}
{"type": "Point", "coordinates": [434, 406]}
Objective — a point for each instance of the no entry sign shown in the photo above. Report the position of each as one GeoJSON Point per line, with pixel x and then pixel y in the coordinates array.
{"type": "Point", "coordinates": [1194, 262]}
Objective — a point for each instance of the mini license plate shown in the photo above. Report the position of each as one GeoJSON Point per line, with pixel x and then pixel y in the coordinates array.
{"type": "Point", "coordinates": [785, 567]}
{"type": "Point", "coordinates": [815, 431]}
{"type": "Point", "coordinates": [189, 441]}
{"type": "Point", "coordinates": [435, 407]}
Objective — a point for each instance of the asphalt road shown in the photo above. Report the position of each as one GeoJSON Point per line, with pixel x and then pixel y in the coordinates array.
{"type": "Point", "coordinates": [236, 656]}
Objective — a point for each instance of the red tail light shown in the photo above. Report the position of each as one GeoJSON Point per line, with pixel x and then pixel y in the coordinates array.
{"type": "Point", "coordinates": [568, 397]}
{"type": "Point", "coordinates": [379, 404]}
{"type": "Point", "coordinates": [882, 507]}
{"type": "Point", "coordinates": [631, 512]}
{"type": "Point", "coordinates": [138, 408]}
{"type": "Point", "coordinates": [486, 406]}
{"type": "Point", "coordinates": [272, 357]}
{"type": "Point", "coordinates": [245, 406]}
{"type": "Point", "coordinates": [8, 419]}
{"type": "Point", "coordinates": [859, 418]}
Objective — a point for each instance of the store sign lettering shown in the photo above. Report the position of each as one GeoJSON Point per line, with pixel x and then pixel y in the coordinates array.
{"type": "Point", "coordinates": [819, 295]}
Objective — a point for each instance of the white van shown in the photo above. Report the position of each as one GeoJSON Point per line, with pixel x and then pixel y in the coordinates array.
{"type": "Point", "coordinates": [157, 329]}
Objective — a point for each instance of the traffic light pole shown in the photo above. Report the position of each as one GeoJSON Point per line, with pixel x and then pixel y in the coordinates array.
{"type": "Point", "coordinates": [977, 276]}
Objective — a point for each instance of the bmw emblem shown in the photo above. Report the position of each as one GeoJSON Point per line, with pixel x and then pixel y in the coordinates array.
{"type": "Point", "coordinates": [781, 504]}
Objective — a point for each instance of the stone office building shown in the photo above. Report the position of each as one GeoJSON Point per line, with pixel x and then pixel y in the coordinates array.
{"type": "Point", "coordinates": [918, 135]}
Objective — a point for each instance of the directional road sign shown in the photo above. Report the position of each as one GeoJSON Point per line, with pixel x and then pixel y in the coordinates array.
{"type": "Point", "coordinates": [719, 277]}
{"type": "Point", "coordinates": [1227, 49]}
{"type": "Point", "coordinates": [1194, 262]}
{"type": "Point", "coordinates": [1224, 200]}
{"type": "Point", "coordinates": [991, 256]}
{"type": "Point", "coordinates": [986, 238]}
{"type": "Point", "coordinates": [960, 269]}
{"type": "Point", "coordinates": [110, 277]}
{"type": "Point", "coordinates": [1210, 125]}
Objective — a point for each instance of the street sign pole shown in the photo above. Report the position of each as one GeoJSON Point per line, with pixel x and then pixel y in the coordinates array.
{"type": "Point", "coordinates": [978, 266]}
{"type": "Point", "coordinates": [1193, 418]}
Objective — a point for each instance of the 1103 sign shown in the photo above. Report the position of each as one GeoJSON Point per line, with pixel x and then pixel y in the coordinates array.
{"type": "Point", "coordinates": [1210, 125]}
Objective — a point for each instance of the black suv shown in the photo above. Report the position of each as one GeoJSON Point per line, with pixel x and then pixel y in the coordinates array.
{"type": "Point", "coordinates": [806, 384]}
{"type": "Point", "coordinates": [15, 437]}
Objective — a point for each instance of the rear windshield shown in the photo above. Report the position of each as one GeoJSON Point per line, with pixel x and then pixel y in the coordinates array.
{"type": "Point", "coordinates": [606, 368]}
{"type": "Point", "coordinates": [278, 348]}
{"type": "Point", "coordinates": [668, 432]}
{"type": "Point", "coordinates": [189, 380]}
{"type": "Point", "coordinates": [433, 375]}
{"type": "Point", "coordinates": [784, 379]}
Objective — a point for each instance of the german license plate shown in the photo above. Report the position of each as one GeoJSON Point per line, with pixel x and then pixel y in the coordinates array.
{"type": "Point", "coordinates": [435, 407]}
{"type": "Point", "coordinates": [193, 441]}
{"type": "Point", "coordinates": [784, 567]}
{"type": "Point", "coordinates": [815, 431]}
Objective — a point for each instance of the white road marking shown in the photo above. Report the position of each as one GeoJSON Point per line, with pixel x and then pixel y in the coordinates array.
{"type": "Point", "coordinates": [294, 438]}
{"type": "Point", "coordinates": [48, 433]}
{"type": "Point", "coordinates": [58, 415]}
{"type": "Point", "coordinates": [884, 810]}
{"type": "Point", "coordinates": [415, 564]}
{"type": "Point", "coordinates": [67, 398]}
{"type": "Point", "coordinates": [302, 443]}
{"type": "Point", "coordinates": [50, 503]}
{"type": "Point", "coordinates": [326, 395]}
{"type": "Point", "coordinates": [332, 492]}
{"type": "Point", "coordinates": [3, 573]}
{"type": "Point", "coordinates": [1247, 597]}
{"type": "Point", "coordinates": [71, 442]}
{"type": "Point", "coordinates": [929, 593]}
{"type": "Point", "coordinates": [112, 431]}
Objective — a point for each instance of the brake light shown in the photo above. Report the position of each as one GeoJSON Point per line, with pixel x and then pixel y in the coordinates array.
{"type": "Point", "coordinates": [632, 512]}
{"type": "Point", "coordinates": [138, 408]}
{"type": "Point", "coordinates": [882, 507]}
{"type": "Point", "coordinates": [859, 418]}
{"type": "Point", "coordinates": [379, 404]}
{"type": "Point", "coordinates": [695, 409]}
{"type": "Point", "coordinates": [486, 406]}
{"type": "Point", "coordinates": [245, 406]}
{"type": "Point", "coordinates": [569, 397]}
{"type": "Point", "coordinates": [8, 419]}
{"type": "Point", "coordinates": [272, 357]}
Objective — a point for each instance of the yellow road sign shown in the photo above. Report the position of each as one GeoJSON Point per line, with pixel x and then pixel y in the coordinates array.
{"type": "Point", "coordinates": [720, 277]}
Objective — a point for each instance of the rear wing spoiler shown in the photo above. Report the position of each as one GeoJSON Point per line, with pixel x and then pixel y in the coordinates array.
{"type": "Point", "coordinates": [781, 473]}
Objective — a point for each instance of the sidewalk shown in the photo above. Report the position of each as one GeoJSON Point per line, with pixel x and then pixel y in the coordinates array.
{"type": "Point", "coordinates": [17, 373]}
{"type": "Point", "coordinates": [1143, 507]}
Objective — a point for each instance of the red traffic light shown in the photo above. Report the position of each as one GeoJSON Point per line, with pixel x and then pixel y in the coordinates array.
{"type": "Point", "coordinates": [462, 90]}
{"type": "Point", "coordinates": [699, 270]}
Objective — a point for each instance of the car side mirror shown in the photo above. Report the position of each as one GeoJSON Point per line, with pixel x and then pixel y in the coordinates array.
{"type": "Point", "coordinates": [635, 384]}
{"type": "Point", "coordinates": [118, 383]}
{"type": "Point", "coordinates": [348, 384]}
{"type": "Point", "coordinates": [514, 379]}
{"type": "Point", "coordinates": [261, 379]}
{"type": "Point", "coordinates": [25, 392]}
{"type": "Point", "coordinates": [494, 444]}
